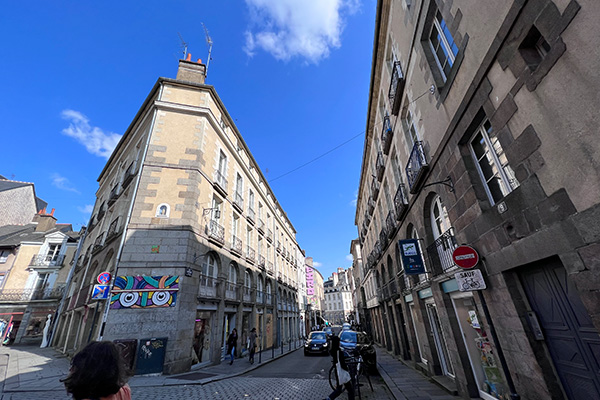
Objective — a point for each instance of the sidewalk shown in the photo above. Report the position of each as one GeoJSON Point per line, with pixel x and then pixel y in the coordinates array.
{"type": "Point", "coordinates": [405, 383]}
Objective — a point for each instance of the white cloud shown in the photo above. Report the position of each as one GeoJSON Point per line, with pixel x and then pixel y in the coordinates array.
{"type": "Point", "coordinates": [95, 140]}
{"type": "Point", "coordinates": [62, 183]}
{"type": "Point", "coordinates": [349, 257]}
{"type": "Point", "coordinates": [354, 201]}
{"type": "Point", "coordinates": [317, 264]}
{"type": "Point", "coordinates": [87, 209]}
{"type": "Point", "coordinates": [297, 28]}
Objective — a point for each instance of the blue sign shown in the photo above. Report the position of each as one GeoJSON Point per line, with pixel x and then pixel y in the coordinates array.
{"type": "Point", "coordinates": [100, 292]}
{"type": "Point", "coordinates": [412, 260]}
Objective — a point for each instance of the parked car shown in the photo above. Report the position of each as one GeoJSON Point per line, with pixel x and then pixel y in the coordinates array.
{"type": "Point", "coordinates": [353, 340]}
{"type": "Point", "coordinates": [328, 331]}
{"type": "Point", "coordinates": [317, 342]}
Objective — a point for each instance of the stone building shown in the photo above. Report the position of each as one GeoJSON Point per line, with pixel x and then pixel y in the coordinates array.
{"type": "Point", "coordinates": [18, 202]}
{"type": "Point", "coordinates": [338, 297]}
{"type": "Point", "coordinates": [192, 235]}
{"type": "Point", "coordinates": [35, 260]}
{"type": "Point", "coordinates": [480, 131]}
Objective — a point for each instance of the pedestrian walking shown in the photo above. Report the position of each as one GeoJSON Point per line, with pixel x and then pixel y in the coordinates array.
{"type": "Point", "coordinates": [252, 345]}
{"type": "Point", "coordinates": [232, 344]}
{"type": "Point", "coordinates": [344, 379]}
{"type": "Point", "coordinates": [98, 372]}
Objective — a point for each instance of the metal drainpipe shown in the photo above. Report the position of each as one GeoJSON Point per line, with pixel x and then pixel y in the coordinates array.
{"type": "Point", "coordinates": [137, 184]}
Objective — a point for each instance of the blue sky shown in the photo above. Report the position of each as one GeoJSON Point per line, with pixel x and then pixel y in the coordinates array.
{"type": "Point", "coordinates": [294, 75]}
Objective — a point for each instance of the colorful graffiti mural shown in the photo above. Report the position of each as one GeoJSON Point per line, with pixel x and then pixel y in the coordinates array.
{"type": "Point", "coordinates": [144, 292]}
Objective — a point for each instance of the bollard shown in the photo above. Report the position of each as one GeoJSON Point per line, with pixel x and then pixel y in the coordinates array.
{"type": "Point", "coordinates": [273, 351]}
{"type": "Point", "coordinates": [290, 345]}
{"type": "Point", "coordinates": [260, 354]}
{"type": "Point", "coordinates": [282, 347]}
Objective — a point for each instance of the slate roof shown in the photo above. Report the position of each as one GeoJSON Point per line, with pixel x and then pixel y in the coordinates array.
{"type": "Point", "coordinates": [13, 235]}
{"type": "Point", "coordinates": [6, 184]}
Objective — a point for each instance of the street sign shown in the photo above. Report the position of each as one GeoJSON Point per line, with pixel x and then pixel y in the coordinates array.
{"type": "Point", "coordinates": [465, 257]}
{"type": "Point", "coordinates": [100, 292]}
{"type": "Point", "coordinates": [103, 278]}
{"type": "Point", "coordinates": [411, 256]}
{"type": "Point", "coordinates": [470, 280]}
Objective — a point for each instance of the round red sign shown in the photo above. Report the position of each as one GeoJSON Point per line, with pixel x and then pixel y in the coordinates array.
{"type": "Point", "coordinates": [103, 278]}
{"type": "Point", "coordinates": [465, 257]}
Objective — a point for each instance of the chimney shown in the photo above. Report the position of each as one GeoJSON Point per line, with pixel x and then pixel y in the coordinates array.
{"type": "Point", "coordinates": [190, 71]}
{"type": "Point", "coordinates": [45, 222]}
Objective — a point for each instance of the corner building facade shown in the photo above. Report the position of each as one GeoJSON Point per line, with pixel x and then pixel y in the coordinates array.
{"type": "Point", "coordinates": [479, 133]}
{"type": "Point", "coordinates": [194, 238]}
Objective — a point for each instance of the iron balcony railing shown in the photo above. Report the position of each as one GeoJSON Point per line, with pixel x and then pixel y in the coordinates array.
{"type": "Point", "coordinates": [416, 167]}
{"type": "Point", "coordinates": [32, 294]}
{"type": "Point", "coordinates": [261, 261]}
{"type": "Point", "coordinates": [375, 185]}
{"type": "Point", "coordinates": [251, 215]}
{"type": "Point", "coordinates": [250, 254]}
{"type": "Point", "coordinates": [377, 250]}
{"type": "Point", "coordinates": [99, 242]}
{"type": "Point", "coordinates": [236, 245]}
{"type": "Point", "coordinates": [371, 205]}
{"type": "Point", "coordinates": [129, 174]}
{"type": "Point", "coordinates": [269, 235]}
{"type": "Point", "coordinates": [278, 246]}
{"type": "Point", "coordinates": [215, 231]}
{"type": "Point", "coordinates": [269, 298]}
{"type": "Point", "coordinates": [113, 229]}
{"type": "Point", "coordinates": [440, 253]}
{"type": "Point", "coordinates": [247, 293]}
{"type": "Point", "coordinates": [396, 87]}
{"type": "Point", "coordinates": [270, 268]}
{"type": "Point", "coordinates": [383, 237]}
{"type": "Point", "coordinates": [400, 201]}
{"type": "Point", "coordinates": [47, 261]}
{"type": "Point", "coordinates": [260, 297]}
{"type": "Point", "coordinates": [386, 135]}
{"type": "Point", "coordinates": [232, 291]}
{"type": "Point", "coordinates": [114, 195]}
{"type": "Point", "coordinates": [380, 165]}
{"type": "Point", "coordinates": [208, 287]}
{"type": "Point", "coordinates": [261, 226]}
{"type": "Point", "coordinates": [238, 200]}
{"type": "Point", "coordinates": [102, 211]}
{"type": "Point", "coordinates": [390, 223]}
{"type": "Point", "coordinates": [220, 180]}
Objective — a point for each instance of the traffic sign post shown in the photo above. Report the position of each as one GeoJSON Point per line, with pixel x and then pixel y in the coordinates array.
{"type": "Point", "coordinates": [465, 257]}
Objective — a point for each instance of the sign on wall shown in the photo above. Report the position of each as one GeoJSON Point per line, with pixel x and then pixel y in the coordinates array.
{"type": "Point", "coordinates": [470, 280]}
{"type": "Point", "coordinates": [410, 252]}
{"type": "Point", "coordinates": [310, 282]}
{"type": "Point", "coordinates": [144, 291]}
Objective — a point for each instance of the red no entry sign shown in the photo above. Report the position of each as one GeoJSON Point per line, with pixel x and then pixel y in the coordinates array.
{"type": "Point", "coordinates": [465, 257]}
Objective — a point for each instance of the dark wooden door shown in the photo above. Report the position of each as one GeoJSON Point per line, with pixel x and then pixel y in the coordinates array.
{"type": "Point", "coordinates": [572, 339]}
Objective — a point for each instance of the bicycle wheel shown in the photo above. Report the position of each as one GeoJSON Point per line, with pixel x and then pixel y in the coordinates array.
{"type": "Point", "coordinates": [333, 380]}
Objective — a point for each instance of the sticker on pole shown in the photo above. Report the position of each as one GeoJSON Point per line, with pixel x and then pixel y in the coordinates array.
{"type": "Point", "coordinates": [468, 281]}
{"type": "Point", "coordinates": [465, 257]}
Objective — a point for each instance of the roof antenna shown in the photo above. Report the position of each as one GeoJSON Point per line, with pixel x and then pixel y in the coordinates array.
{"type": "Point", "coordinates": [209, 42]}
{"type": "Point", "coordinates": [184, 45]}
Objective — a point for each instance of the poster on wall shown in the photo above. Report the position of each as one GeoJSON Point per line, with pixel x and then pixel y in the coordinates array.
{"type": "Point", "coordinates": [144, 292]}
{"type": "Point", "coordinates": [412, 260]}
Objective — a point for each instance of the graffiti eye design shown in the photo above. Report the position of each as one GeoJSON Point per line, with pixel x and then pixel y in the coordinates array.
{"type": "Point", "coordinates": [128, 299]}
{"type": "Point", "coordinates": [161, 298]}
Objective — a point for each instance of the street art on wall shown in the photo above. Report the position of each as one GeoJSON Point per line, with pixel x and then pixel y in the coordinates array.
{"type": "Point", "coordinates": [144, 292]}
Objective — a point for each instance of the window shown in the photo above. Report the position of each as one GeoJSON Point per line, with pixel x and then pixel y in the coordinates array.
{"type": "Point", "coordinates": [53, 252]}
{"type": "Point", "coordinates": [163, 210]}
{"type": "Point", "coordinates": [442, 45]}
{"type": "Point", "coordinates": [412, 135]}
{"type": "Point", "coordinates": [534, 48]}
{"type": "Point", "coordinates": [209, 266]}
{"type": "Point", "coordinates": [492, 164]}
{"type": "Point", "coordinates": [250, 199]}
{"type": "Point", "coordinates": [4, 257]}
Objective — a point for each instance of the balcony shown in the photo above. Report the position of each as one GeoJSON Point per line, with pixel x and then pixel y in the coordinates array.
{"type": "Point", "coordinates": [270, 268]}
{"type": "Point", "coordinates": [401, 201]}
{"type": "Point", "coordinates": [238, 201]}
{"type": "Point", "coordinates": [260, 297]}
{"type": "Point", "coordinates": [385, 292]}
{"type": "Point", "coordinates": [269, 299]}
{"type": "Point", "coordinates": [208, 287]}
{"type": "Point", "coordinates": [416, 167]}
{"type": "Point", "coordinates": [380, 166]}
{"type": "Point", "coordinates": [250, 255]}
{"type": "Point", "coordinates": [261, 261]}
{"type": "Point", "coordinates": [390, 223]}
{"type": "Point", "coordinates": [440, 253]}
{"type": "Point", "coordinates": [114, 229]}
{"type": "Point", "coordinates": [32, 294]}
{"type": "Point", "coordinates": [261, 226]}
{"type": "Point", "coordinates": [232, 291]}
{"type": "Point", "coordinates": [47, 261]}
{"type": "Point", "coordinates": [98, 243]}
{"type": "Point", "coordinates": [220, 182]}
{"type": "Point", "coordinates": [383, 237]}
{"type": "Point", "coordinates": [129, 174]}
{"type": "Point", "coordinates": [396, 87]}
{"type": "Point", "coordinates": [377, 251]}
{"type": "Point", "coordinates": [278, 246]}
{"type": "Point", "coordinates": [236, 245]}
{"type": "Point", "coordinates": [246, 294]}
{"type": "Point", "coordinates": [368, 215]}
{"type": "Point", "coordinates": [386, 135]}
{"type": "Point", "coordinates": [375, 186]}
{"type": "Point", "coordinates": [102, 211]}
{"type": "Point", "coordinates": [215, 232]}
{"type": "Point", "coordinates": [251, 215]}
{"type": "Point", "coordinates": [270, 235]}
{"type": "Point", "coordinates": [371, 205]}
{"type": "Point", "coordinates": [114, 195]}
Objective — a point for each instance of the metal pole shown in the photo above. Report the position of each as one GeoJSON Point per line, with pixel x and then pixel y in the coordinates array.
{"type": "Point", "coordinates": [260, 353]}
{"type": "Point", "coordinates": [509, 381]}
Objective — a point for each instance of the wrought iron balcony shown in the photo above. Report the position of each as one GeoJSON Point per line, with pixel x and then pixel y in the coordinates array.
{"type": "Point", "coordinates": [380, 166]}
{"type": "Point", "coordinates": [251, 215]}
{"type": "Point", "coordinates": [278, 246]}
{"type": "Point", "coordinates": [247, 294]}
{"type": "Point", "coordinates": [386, 135]}
{"type": "Point", "coordinates": [390, 223]}
{"type": "Point", "coordinates": [236, 245]}
{"type": "Point", "coordinates": [114, 229]}
{"type": "Point", "coordinates": [32, 294]}
{"type": "Point", "coordinates": [98, 243]}
{"type": "Point", "coordinates": [269, 235]}
{"type": "Point", "coordinates": [238, 201]}
{"type": "Point", "coordinates": [220, 181]}
{"type": "Point", "coordinates": [208, 287]}
{"type": "Point", "coordinates": [270, 268]}
{"type": "Point", "coordinates": [371, 205]}
{"type": "Point", "coordinates": [102, 211]}
{"type": "Point", "coordinates": [416, 167]}
{"type": "Point", "coordinates": [261, 261]}
{"type": "Point", "coordinates": [383, 237]}
{"type": "Point", "coordinates": [215, 231]}
{"type": "Point", "coordinates": [375, 185]}
{"type": "Point", "coordinates": [261, 226]}
{"type": "Point", "coordinates": [440, 253]}
{"type": "Point", "coordinates": [114, 195]}
{"type": "Point", "coordinates": [401, 201]}
{"type": "Point", "coordinates": [269, 298]}
{"type": "Point", "coordinates": [250, 254]}
{"type": "Point", "coordinates": [232, 291]}
{"type": "Point", "coordinates": [260, 296]}
{"type": "Point", "coordinates": [377, 250]}
{"type": "Point", "coordinates": [396, 87]}
{"type": "Point", "coordinates": [129, 174]}
{"type": "Point", "coordinates": [47, 261]}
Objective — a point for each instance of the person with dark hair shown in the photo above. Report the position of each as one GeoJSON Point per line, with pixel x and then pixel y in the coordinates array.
{"type": "Point", "coordinates": [232, 344]}
{"type": "Point", "coordinates": [252, 345]}
{"type": "Point", "coordinates": [98, 372]}
{"type": "Point", "coordinates": [342, 373]}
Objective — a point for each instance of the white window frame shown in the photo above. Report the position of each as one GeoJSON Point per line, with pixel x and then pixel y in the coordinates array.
{"type": "Point", "coordinates": [447, 47]}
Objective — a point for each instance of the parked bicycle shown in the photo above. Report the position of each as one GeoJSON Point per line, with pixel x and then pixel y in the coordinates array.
{"type": "Point", "coordinates": [356, 368]}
